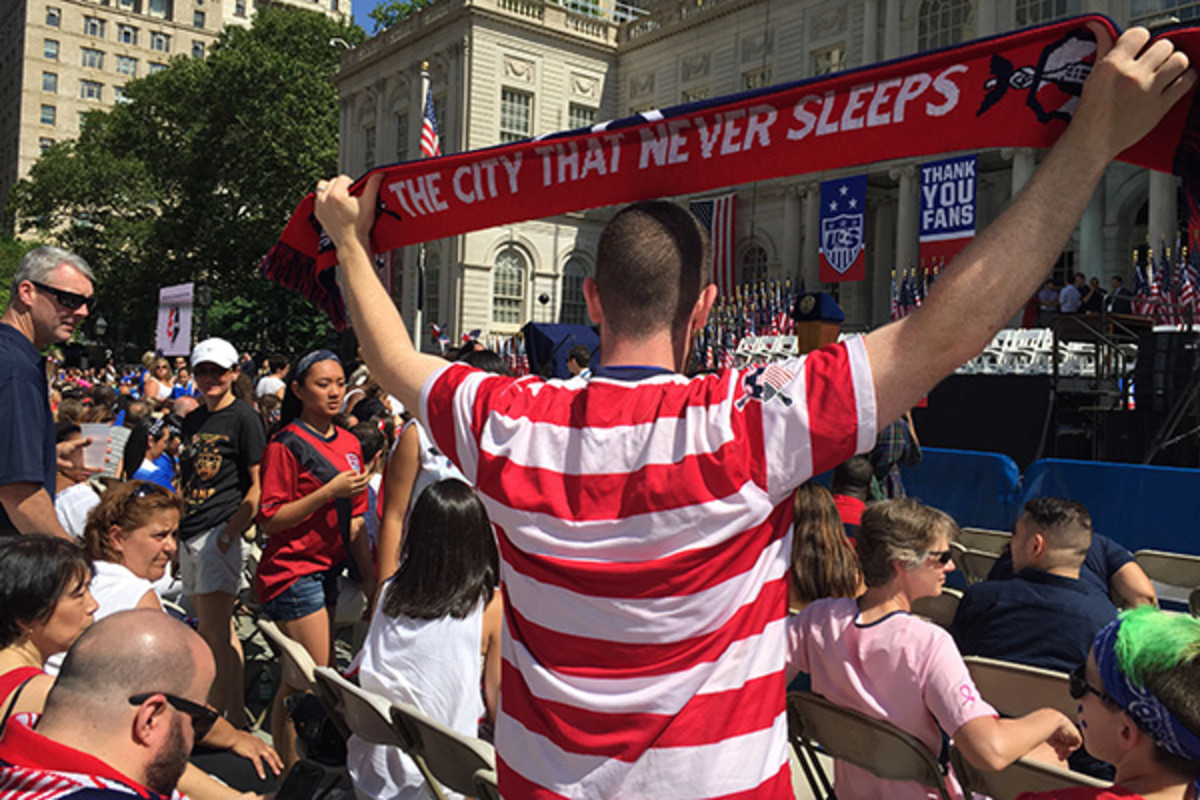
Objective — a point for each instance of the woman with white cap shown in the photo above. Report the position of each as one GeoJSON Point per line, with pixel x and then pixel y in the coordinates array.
{"type": "Point", "coordinates": [223, 442]}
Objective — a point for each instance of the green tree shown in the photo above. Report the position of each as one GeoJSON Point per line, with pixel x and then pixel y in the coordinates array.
{"type": "Point", "coordinates": [389, 12]}
{"type": "Point", "coordinates": [11, 253]}
{"type": "Point", "coordinates": [194, 177]}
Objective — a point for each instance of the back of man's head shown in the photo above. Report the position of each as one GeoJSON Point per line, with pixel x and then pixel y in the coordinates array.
{"type": "Point", "coordinates": [651, 265]}
{"type": "Point", "coordinates": [852, 477]}
{"type": "Point", "coordinates": [277, 363]}
{"type": "Point", "coordinates": [1066, 527]}
{"type": "Point", "coordinates": [122, 655]}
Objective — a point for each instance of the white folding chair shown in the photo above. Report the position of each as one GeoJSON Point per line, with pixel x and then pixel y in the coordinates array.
{"type": "Point", "coordinates": [1023, 775]}
{"type": "Point", "coordinates": [985, 539]}
{"type": "Point", "coordinates": [940, 608]}
{"type": "Point", "coordinates": [1175, 575]}
{"type": "Point", "coordinates": [1017, 689]}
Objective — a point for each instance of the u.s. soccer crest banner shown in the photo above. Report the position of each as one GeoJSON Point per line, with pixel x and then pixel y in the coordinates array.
{"type": "Point", "coordinates": [1015, 90]}
{"type": "Point", "coordinates": [174, 335]}
{"type": "Point", "coordinates": [948, 192]}
{"type": "Point", "coordinates": [843, 229]}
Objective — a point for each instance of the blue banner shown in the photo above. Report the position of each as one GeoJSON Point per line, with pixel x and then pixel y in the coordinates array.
{"type": "Point", "coordinates": [948, 193]}
{"type": "Point", "coordinates": [843, 229]}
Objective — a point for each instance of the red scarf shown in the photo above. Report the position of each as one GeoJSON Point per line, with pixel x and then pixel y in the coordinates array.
{"type": "Point", "coordinates": [1013, 90]}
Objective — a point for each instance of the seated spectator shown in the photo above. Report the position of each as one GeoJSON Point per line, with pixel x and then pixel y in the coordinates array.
{"type": "Point", "coordinates": [121, 718]}
{"type": "Point", "coordinates": [1045, 616]}
{"type": "Point", "coordinates": [44, 606]}
{"type": "Point", "coordinates": [1108, 568]}
{"type": "Point", "coordinates": [146, 445]}
{"type": "Point", "coordinates": [851, 487]}
{"type": "Point", "coordinates": [874, 656]}
{"type": "Point", "coordinates": [434, 632]}
{"type": "Point", "coordinates": [74, 494]}
{"type": "Point", "coordinates": [132, 537]}
{"type": "Point", "coordinates": [1137, 698]}
{"type": "Point", "coordinates": [823, 562]}
{"type": "Point", "coordinates": [578, 358]}
{"type": "Point", "coordinates": [160, 383]}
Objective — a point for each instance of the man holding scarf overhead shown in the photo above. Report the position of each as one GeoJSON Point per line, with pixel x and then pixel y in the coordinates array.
{"type": "Point", "coordinates": [642, 516]}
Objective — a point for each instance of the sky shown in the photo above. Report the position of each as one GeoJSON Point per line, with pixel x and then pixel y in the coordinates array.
{"type": "Point", "coordinates": [361, 9]}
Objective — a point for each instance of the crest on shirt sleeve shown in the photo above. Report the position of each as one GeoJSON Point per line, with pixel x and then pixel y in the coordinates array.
{"type": "Point", "coordinates": [764, 384]}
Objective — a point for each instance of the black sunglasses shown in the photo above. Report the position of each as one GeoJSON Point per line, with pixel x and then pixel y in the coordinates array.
{"type": "Point", "coordinates": [203, 717]}
{"type": "Point", "coordinates": [68, 300]}
{"type": "Point", "coordinates": [942, 556]}
{"type": "Point", "coordinates": [1078, 686]}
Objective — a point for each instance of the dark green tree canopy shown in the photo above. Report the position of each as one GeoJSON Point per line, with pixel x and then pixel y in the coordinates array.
{"type": "Point", "coordinates": [194, 177]}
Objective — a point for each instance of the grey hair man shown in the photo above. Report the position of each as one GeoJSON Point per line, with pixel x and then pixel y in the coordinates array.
{"type": "Point", "coordinates": [51, 296]}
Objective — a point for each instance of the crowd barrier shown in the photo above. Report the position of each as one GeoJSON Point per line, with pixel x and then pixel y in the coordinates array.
{"type": "Point", "coordinates": [1139, 506]}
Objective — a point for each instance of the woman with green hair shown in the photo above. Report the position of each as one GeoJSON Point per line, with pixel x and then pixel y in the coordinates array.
{"type": "Point", "coordinates": [1139, 707]}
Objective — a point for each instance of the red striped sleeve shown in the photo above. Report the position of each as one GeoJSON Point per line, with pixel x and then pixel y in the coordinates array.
{"type": "Point", "coordinates": [597, 658]}
{"type": "Point", "coordinates": [671, 576]}
{"type": "Point", "coordinates": [833, 416]}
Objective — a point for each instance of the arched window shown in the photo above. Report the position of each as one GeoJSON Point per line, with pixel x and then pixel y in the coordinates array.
{"type": "Point", "coordinates": [754, 265]}
{"type": "Point", "coordinates": [1149, 10]}
{"type": "Point", "coordinates": [433, 285]}
{"type": "Point", "coordinates": [508, 286]}
{"type": "Point", "coordinates": [574, 307]}
{"type": "Point", "coordinates": [1033, 12]}
{"type": "Point", "coordinates": [941, 23]}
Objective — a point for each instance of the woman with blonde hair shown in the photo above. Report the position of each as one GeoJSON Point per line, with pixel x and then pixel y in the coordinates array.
{"type": "Point", "coordinates": [160, 383]}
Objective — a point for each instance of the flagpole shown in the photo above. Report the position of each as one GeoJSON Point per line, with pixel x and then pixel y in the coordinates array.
{"type": "Point", "coordinates": [418, 317]}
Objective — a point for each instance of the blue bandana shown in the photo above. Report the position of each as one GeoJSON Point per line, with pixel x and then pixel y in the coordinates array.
{"type": "Point", "coordinates": [1139, 703]}
{"type": "Point", "coordinates": [306, 363]}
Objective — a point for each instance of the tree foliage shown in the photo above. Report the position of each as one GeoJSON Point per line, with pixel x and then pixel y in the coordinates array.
{"type": "Point", "coordinates": [195, 176]}
{"type": "Point", "coordinates": [11, 253]}
{"type": "Point", "coordinates": [389, 12]}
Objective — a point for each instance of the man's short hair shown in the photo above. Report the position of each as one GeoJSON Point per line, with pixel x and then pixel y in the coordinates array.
{"type": "Point", "coordinates": [853, 477]}
{"type": "Point", "coordinates": [580, 355]}
{"type": "Point", "coordinates": [277, 362]}
{"type": "Point", "coordinates": [39, 262]}
{"type": "Point", "coordinates": [1118, 279]}
{"type": "Point", "coordinates": [1065, 524]}
{"type": "Point", "coordinates": [651, 265]}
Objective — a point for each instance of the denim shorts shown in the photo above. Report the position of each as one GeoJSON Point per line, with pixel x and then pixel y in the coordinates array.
{"type": "Point", "coordinates": [306, 595]}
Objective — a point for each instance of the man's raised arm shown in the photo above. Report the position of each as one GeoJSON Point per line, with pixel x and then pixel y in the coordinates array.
{"type": "Point", "coordinates": [1127, 93]}
{"type": "Point", "coordinates": [395, 364]}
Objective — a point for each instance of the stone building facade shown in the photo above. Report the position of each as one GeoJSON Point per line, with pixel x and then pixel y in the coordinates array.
{"type": "Point", "coordinates": [509, 69]}
{"type": "Point", "coordinates": [62, 58]}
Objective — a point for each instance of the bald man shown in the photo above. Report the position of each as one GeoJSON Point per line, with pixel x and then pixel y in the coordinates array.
{"type": "Point", "coordinates": [121, 718]}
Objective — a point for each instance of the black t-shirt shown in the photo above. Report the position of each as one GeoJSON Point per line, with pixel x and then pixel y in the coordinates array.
{"type": "Point", "coordinates": [220, 448]}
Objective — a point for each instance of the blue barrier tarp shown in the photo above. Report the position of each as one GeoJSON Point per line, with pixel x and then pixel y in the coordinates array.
{"type": "Point", "coordinates": [978, 489]}
{"type": "Point", "coordinates": [1139, 506]}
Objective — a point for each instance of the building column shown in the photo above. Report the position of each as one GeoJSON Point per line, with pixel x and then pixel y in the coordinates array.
{"type": "Point", "coordinates": [883, 262]}
{"type": "Point", "coordinates": [1023, 164]}
{"type": "Point", "coordinates": [907, 211]}
{"type": "Point", "coordinates": [891, 30]}
{"type": "Point", "coordinates": [810, 260]}
{"type": "Point", "coordinates": [870, 45]}
{"type": "Point", "coordinates": [1163, 213]}
{"type": "Point", "coordinates": [986, 16]}
{"type": "Point", "coordinates": [793, 221]}
{"type": "Point", "coordinates": [1091, 237]}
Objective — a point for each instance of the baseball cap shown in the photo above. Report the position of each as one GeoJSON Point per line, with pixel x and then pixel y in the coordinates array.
{"type": "Point", "coordinates": [215, 351]}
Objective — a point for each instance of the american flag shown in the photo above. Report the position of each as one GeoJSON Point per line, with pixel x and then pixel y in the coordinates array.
{"type": "Point", "coordinates": [431, 145]}
{"type": "Point", "coordinates": [716, 215]}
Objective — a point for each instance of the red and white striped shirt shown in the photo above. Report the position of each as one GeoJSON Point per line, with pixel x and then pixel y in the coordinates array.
{"type": "Point", "coordinates": [644, 534]}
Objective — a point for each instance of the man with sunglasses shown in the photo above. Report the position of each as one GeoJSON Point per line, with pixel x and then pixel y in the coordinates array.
{"type": "Point", "coordinates": [51, 296]}
{"type": "Point", "coordinates": [121, 718]}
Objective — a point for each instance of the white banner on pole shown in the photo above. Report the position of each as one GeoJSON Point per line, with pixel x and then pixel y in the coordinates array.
{"type": "Point", "coordinates": [175, 319]}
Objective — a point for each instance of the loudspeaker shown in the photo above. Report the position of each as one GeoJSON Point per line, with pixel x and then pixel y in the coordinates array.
{"type": "Point", "coordinates": [1165, 362]}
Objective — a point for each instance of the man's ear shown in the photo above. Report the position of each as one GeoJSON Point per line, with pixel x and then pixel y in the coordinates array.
{"type": "Point", "coordinates": [1037, 545]}
{"type": "Point", "coordinates": [700, 311]}
{"type": "Point", "coordinates": [591, 297]}
{"type": "Point", "coordinates": [151, 722]}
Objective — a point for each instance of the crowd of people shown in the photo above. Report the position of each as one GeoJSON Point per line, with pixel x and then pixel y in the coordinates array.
{"type": "Point", "coordinates": [599, 567]}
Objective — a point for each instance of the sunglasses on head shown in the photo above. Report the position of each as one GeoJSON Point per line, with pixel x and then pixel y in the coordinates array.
{"type": "Point", "coordinates": [68, 300]}
{"type": "Point", "coordinates": [203, 717]}
{"type": "Point", "coordinates": [942, 556]}
{"type": "Point", "coordinates": [1078, 686]}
